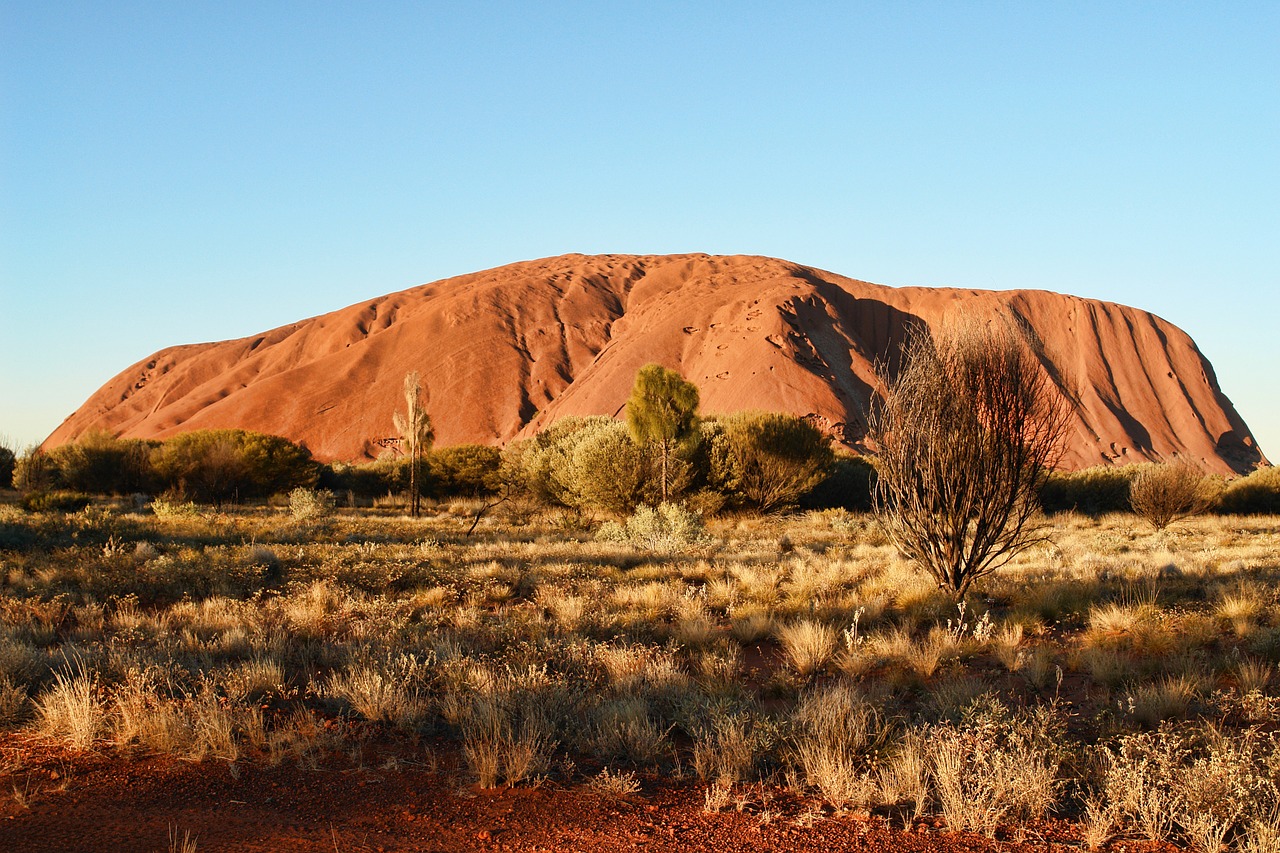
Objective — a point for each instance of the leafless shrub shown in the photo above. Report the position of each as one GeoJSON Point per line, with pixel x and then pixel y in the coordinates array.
{"type": "Point", "coordinates": [615, 786]}
{"type": "Point", "coordinates": [966, 433]}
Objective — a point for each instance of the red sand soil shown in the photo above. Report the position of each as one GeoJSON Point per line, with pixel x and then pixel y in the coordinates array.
{"type": "Point", "coordinates": [94, 802]}
{"type": "Point", "coordinates": [506, 351]}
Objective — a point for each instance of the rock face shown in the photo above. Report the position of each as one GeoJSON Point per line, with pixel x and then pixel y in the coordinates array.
{"type": "Point", "coordinates": [507, 351]}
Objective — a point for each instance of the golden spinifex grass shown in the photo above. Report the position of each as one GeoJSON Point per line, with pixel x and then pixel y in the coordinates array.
{"type": "Point", "coordinates": [797, 651]}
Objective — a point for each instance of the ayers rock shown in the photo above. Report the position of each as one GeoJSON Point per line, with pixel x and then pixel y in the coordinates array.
{"type": "Point", "coordinates": [507, 351]}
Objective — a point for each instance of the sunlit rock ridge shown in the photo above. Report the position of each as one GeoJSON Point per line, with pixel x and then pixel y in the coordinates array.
{"type": "Point", "coordinates": [508, 351]}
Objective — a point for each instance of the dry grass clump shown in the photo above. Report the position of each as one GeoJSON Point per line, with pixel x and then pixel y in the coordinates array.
{"type": "Point", "coordinates": [995, 767]}
{"type": "Point", "coordinates": [72, 709]}
{"type": "Point", "coordinates": [809, 645]}
{"type": "Point", "coordinates": [837, 735]}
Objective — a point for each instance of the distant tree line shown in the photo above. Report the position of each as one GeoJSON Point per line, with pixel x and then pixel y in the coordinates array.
{"type": "Point", "coordinates": [664, 452]}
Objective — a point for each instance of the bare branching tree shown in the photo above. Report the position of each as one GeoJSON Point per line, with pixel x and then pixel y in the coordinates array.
{"type": "Point", "coordinates": [967, 431]}
{"type": "Point", "coordinates": [1170, 491]}
{"type": "Point", "coordinates": [416, 435]}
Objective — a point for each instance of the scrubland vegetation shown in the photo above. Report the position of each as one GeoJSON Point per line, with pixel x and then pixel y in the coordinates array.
{"type": "Point", "coordinates": [1119, 675]}
{"type": "Point", "coordinates": [607, 604]}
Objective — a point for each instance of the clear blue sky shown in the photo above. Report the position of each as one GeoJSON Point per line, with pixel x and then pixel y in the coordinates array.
{"type": "Point", "coordinates": [181, 172]}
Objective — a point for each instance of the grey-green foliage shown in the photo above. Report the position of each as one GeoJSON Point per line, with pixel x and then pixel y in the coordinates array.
{"type": "Point", "coordinates": [668, 527]}
{"type": "Point", "coordinates": [543, 457]}
{"type": "Point", "coordinates": [606, 469]}
{"type": "Point", "coordinates": [588, 464]}
{"type": "Point", "coordinates": [1257, 493]}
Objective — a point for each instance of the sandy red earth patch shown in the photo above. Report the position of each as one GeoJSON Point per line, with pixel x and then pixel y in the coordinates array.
{"type": "Point", "coordinates": [395, 801]}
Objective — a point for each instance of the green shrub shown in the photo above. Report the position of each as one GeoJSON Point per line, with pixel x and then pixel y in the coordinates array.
{"type": "Point", "coordinates": [1257, 493]}
{"type": "Point", "coordinates": [848, 485]}
{"type": "Point", "coordinates": [1092, 491]}
{"type": "Point", "coordinates": [217, 465]}
{"type": "Point", "coordinates": [100, 463]}
{"type": "Point", "coordinates": [607, 470]}
{"type": "Point", "coordinates": [8, 459]}
{"type": "Point", "coordinates": [776, 458]}
{"type": "Point", "coordinates": [464, 470]}
{"type": "Point", "coordinates": [367, 480]}
{"type": "Point", "coordinates": [55, 501]}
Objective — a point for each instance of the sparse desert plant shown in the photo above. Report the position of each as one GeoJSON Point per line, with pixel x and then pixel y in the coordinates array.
{"type": "Point", "coordinates": [507, 733]}
{"type": "Point", "coordinates": [13, 703]}
{"type": "Point", "coordinates": [727, 746]}
{"type": "Point", "coordinates": [967, 428]}
{"type": "Point", "coordinates": [837, 734]}
{"type": "Point", "coordinates": [905, 776]}
{"type": "Point", "coordinates": [625, 728]}
{"type": "Point", "coordinates": [615, 785]}
{"type": "Point", "coordinates": [71, 709]}
{"type": "Point", "coordinates": [307, 504]}
{"type": "Point", "coordinates": [995, 767]}
{"type": "Point", "coordinates": [809, 645]}
{"type": "Point", "coordinates": [669, 527]}
{"type": "Point", "coordinates": [388, 693]}
{"type": "Point", "coordinates": [1166, 492]}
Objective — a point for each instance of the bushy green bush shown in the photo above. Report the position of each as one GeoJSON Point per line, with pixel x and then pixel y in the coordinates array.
{"type": "Point", "coordinates": [232, 464]}
{"type": "Point", "coordinates": [8, 459]}
{"type": "Point", "coordinates": [1257, 493]}
{"type": "Point", "coordinates": [607, 470]}
{"type": "Point", "coordinates": [593, 463]}
{"type": "Point", "coordinates": [776, 458]}
{"type": "Point", "coordinates": [100, 463]}
{"type": "Point", "coordinates": [55, 501]}
{"type": "Point", "coordinates": [1092, 491]}
{"type": "Point", "coordinates": [367, 479]}
{"type": "Point", "coordinates": [848, 485]}
{"type": "Point", "coordinates": [464, 470]}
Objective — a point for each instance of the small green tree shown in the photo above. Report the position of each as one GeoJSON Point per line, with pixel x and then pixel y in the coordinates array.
{"type": "Point", "coordinates": [416, 435]}
{"type": "Point", "coordinates": [662, 413]}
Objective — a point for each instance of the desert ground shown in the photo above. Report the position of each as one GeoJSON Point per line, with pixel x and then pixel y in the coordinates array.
{"type": "Point", "coordinates": [248, 680]}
